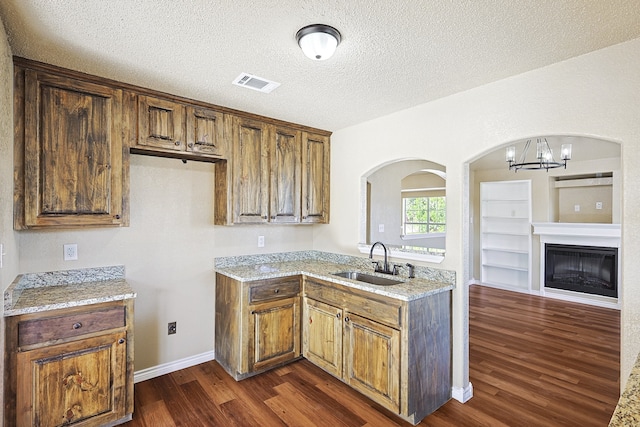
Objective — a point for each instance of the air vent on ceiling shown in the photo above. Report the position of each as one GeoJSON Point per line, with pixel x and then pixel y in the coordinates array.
{"type": "Point", "coordinates": [256, 83]}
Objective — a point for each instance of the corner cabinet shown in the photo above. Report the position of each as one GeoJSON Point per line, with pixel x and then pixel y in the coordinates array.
{"type": "Point", "coordinates": [70, 366]}
{"type": "Point", "coordinates": [505, 234]}
{"type": "Point", "coordinates": [277, 174]}
{"type": "Point", "coordinates": [257, 324]}
{"type": "Point", "coordinates": [71, 159]}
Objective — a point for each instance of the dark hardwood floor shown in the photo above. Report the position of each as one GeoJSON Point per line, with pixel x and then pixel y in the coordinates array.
{"type": "Point", "coordinates": [533, 362]}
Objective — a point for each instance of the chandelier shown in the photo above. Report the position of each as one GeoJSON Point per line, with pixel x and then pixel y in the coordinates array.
{"type": "Point", "coordinates": [544, 156]}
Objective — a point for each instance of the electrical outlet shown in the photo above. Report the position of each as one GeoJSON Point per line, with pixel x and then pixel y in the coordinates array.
{"type": "Point", "coordinates": [598, 205]}
{"type": "Point", "coordinates": [380, 228]}
{"type": "Point", "coordinates": [172, 328]}
{"type": "Point", "coordinates": [70, 252]}
{"type": "Point", "coordinates": [576, 208]}
{"type": "Point", "coordinates": [261, 241]}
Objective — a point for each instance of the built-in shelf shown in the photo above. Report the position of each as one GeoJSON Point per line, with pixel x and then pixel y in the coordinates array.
{"type": "Point", "coordinates": [505, 234]}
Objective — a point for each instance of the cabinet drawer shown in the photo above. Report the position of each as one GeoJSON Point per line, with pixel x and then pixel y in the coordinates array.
{"type": "Point", "coordinates": [375, 307]}
{"type": "Point", "coordinates": [36, 331]}
{"type": "Point", "coordinates": [274, 289]}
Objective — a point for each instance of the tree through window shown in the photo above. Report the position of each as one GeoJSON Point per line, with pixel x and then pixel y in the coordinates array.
{"type": "Point", "coordinates": [424, 215]}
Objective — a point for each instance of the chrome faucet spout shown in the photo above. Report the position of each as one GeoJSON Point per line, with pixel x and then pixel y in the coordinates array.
{"type": "Point", "coordinates": [386, 260]}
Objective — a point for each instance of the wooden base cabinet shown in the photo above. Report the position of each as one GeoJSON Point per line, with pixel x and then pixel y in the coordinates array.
{"type": "Point", "coordinates": [70, 367]}
{"type": "Point", "coordinates": [257, 324]}
{"type": "Point", "coordinates": [397, 353]}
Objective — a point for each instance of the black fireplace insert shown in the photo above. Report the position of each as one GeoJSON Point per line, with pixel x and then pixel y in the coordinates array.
{"type": "Point", "coordinates": [587, 269]}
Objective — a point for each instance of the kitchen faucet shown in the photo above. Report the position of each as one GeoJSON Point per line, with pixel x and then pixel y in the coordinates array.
{"type": "Point", "coordinates": [385, 269]}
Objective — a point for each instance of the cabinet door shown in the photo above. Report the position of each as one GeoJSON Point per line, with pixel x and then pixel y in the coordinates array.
{"type": "Point", "coordinates": [322, 336]}
{"type": "Point", "coordinates": [73, 172]}
{"type": "Point", "coordinates": [372, 360]}
{"type": "Point", "coordinates": [285, 175]}
{"type": "Point", "coordinates": [274, 330]}
{"type": "Point", "coordinates": [250, 171]}
{"type": "Point", "coordinates": [81, 382]}
{"type": "Point", "coordinates": [315, 178]}
{"type": "Point", "coordinates": [161, 123]}
{"type": "Point", "coordinates": [205, 132]}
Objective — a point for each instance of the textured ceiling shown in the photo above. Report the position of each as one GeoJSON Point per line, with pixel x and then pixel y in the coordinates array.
{"type": "Point", "coordinates": [394, 54]}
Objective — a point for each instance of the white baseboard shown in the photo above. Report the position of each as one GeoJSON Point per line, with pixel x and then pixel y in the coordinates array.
{"type": "Point", "coordinates": [167, 368]}
{"type": "Point", "coordinates": [462, 394]}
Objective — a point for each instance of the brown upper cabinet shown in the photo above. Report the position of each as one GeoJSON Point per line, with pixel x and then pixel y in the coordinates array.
{"type": "Point", "coordinates": [74, 133]}
{"type": "Point", "coordinates": [72, 168]}
{"type": "Point", "coordinates": [278, 174]}
{"type": "Point", "coordinates": [169, 127]}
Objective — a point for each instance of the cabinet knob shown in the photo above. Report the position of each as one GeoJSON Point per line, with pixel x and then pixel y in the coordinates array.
{"type": "Point", "coordinates": [338, 315]}
{"type": "Point", "coordinates": [275, 291]}
{"type": "Point", "coordinates": [264, 217]}
{"type": "Point", "coordinates": [121, 341]}
{"type": "Point", "coordinates": [191, 145]}
{"type": "Point", "coordinates": [117, 217]}
{"type": "Point", "coordinates": [77, 325]}
{"type": "Point", "coordinates": [177, 143]}
{"type": "Point", "coordinates": [346, 319]}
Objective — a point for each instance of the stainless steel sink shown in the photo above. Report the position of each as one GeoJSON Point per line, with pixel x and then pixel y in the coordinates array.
{"type": "Point", "coordinates": [367, 278]}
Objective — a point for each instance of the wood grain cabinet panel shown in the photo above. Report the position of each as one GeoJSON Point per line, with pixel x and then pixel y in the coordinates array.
{"type": "Point", "coordinates": [54, 377]}
{"type": "Point", "coordinates": [286, 179]}
{"type": "Point", "coordinates": [372, 360]}
{"type": "Point", "coordinates": [250, 171]}
{"type": "Point", "coordinates": [161, 123]}
{"type": "Point", "coordinates": [315, 178]}
{"type": "Point", "coordinates": [274, 330]}
{"type": "Point", "coordinates": [322, 335]}
{"type": "Point", "coordinates": [71, 165]}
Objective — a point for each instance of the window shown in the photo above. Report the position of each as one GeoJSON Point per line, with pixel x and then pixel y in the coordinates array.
{"type": "Point", "coordinates": [423, 215]}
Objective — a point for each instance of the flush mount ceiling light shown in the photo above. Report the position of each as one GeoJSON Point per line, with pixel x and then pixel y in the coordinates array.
{"type": "Point", "coordinates": [318, 41]}
{"type": "Point", "coordinates": [544, 156]}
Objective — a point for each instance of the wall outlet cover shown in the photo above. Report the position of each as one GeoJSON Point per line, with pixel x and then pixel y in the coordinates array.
{"type": "Point", "coordinates": [70, 252]}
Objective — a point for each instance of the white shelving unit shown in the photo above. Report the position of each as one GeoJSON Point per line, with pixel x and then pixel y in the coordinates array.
{"type": "Point", "coordinates": [505, 234]}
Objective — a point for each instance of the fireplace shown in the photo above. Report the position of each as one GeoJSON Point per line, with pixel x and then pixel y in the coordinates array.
{"type": "Point", "coordinates": [585, 262]}
{"type": "Point", "coordinates": [586, 269]}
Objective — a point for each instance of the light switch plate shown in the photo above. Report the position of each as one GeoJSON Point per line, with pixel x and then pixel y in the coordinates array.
{"type": "Point", "coordinates": [261, 241]}
{"type": "Point", "coordinates": [380, 228]}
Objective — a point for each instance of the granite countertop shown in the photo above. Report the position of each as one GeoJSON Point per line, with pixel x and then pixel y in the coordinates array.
{"type": "Point", "coordinates": [36, 292]}
{"type": "Point", "coordinates": [321, 265]}
{"type": "Point", "coordinates": [627, 412]}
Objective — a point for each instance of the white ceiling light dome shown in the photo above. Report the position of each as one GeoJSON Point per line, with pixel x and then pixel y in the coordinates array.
{"type": "Point", "coordinates": [318, 41]}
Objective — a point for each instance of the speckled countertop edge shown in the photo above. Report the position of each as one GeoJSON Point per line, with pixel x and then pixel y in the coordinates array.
{"type": "Point", "coordinates": [321, 265]}
{"type": "Point", "coordinates": [627, 411]}
{"type": "Point", "coordinates": [35, 292]}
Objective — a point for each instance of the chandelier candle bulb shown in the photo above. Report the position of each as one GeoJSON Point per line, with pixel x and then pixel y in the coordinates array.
{"type": "Point", "coordinates": [565, 152]}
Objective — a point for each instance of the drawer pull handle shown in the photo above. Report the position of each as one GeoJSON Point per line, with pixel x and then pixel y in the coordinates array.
{"type": "Point", "coordinates": [121, 341]}
{"type": "Point", "coordinates": [77, 325]}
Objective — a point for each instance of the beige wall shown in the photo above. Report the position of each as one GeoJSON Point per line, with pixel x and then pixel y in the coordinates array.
{"type": "Point", "coordinates": [168, 254]}
{"type": "Point", "coordinates": [595, 95]}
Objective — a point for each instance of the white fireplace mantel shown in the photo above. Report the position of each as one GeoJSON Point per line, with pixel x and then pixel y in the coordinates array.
{"type": "Point", "coordinates": [577, 229]}
{"type": "Point", "coordinates": [584, 234]}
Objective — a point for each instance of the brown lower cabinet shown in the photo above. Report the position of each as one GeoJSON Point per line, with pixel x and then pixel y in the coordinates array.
{"type": "Point", "coordinates": [257, 324]}
{"type": "Point", "coordinates": [70, 366]}
{"type": "Point", "coordinates": [397, 353]}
